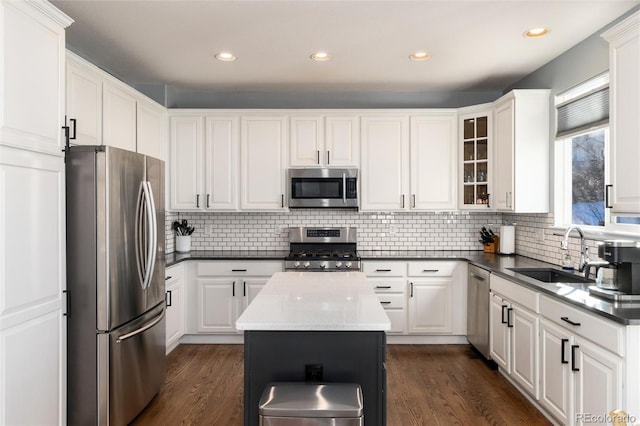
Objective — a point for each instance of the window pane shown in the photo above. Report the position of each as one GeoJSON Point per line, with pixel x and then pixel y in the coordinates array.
{"type": "Point", "coordinates": [587, 202]}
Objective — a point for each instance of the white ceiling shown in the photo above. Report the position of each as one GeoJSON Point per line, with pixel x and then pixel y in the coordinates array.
{"type": "Point", "coordinates": [474, 44]}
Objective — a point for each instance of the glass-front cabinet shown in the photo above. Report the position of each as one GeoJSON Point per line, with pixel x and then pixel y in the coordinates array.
{"type": "Point", "coordinates": [475, 129]}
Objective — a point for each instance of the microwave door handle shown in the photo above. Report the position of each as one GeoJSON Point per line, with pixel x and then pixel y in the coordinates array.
{"type": "Point", "coordinates": [344, 188]}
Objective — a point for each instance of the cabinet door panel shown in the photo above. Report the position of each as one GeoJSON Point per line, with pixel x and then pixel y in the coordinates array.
{"type": "Point", "coordinates": [499, 337]}
{"type": "Point", "coordinates": [263, 160]}
{"type": "Point", "coordinates": [186, 163]}
{"type": "Point", "coordinates": [119, 118]}
{"type": "Point", "coordinates": [84, 104]}
{"type": "Point", "coordinates": [524, 350]}
{"type": "Point", "coordinates": [504, 137]}
{"type": "Point", "coordinates": [599, 381]}
{"type": "Point", "coordinates": [174, 314]}
{"type": "Point", "coordinates": [398, 318]}
{"type": "Point", "coordinates": [217, 305]}
{"type": "Point", "coordinates": [307, 136]}
{"type": "Point", "coordinates": [151, 130]}
{"type": "Point", "coordinates": [384, 161]}
{"type": "Point", "coordinates": [221, 163]}
{"type": "Point", "coordinates": [433, 162]}
{"type": "Point", "coordinates": [556, 390]}
{"type": "Point", "coordinates": [342, 141]}
{"type": "Point", "coordinates": [430, 309]}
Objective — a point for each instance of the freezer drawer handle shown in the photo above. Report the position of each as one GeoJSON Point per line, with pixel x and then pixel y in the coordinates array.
{"type": "Point", "coordinates": [142, 329]}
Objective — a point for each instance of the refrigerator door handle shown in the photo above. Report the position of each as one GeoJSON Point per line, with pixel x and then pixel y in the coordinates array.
{"type": "Point", "coordinates": [142, 329]}
{"type": "Point", "coordinates": [150, 234]}
{"type": "Point", "coordinates": [139, 236]}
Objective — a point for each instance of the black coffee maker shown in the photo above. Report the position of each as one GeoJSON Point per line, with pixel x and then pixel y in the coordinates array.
{"type": "Point", "coordinates": [624, 258]}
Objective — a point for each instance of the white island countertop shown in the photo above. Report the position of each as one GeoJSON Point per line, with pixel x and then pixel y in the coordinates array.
{"type": "Point", "coordinates": [315, 301]}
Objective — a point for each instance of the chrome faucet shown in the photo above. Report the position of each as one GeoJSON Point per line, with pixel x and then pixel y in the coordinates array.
{"type": "Point", "coordinates": [584, 250]}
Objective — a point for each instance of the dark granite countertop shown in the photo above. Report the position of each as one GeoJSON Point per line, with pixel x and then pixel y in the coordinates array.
{"type": "Point", "coordinates": [575, 294]}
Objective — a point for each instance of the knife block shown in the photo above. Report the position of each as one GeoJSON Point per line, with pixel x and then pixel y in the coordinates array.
{"type": "Point", "coordinates": [492, 247]}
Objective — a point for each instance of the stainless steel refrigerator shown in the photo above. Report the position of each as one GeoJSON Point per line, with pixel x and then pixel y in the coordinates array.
{"type": "Point", "coordinates": [115, 281]}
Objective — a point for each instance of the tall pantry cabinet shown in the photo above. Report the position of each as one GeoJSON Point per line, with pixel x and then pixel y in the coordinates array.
{"type": "Point", "coordinates": [32, 224]}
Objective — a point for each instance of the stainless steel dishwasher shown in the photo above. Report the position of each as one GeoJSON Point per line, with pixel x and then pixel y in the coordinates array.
{"type": "Point", "coordinates": [478, 309]}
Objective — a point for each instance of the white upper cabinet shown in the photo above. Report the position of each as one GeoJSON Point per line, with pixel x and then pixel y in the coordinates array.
{"type": "Point", "coordinates": [624, 66]}
{"type": "Point", "coordinates": [433, 162]}
{"type": "Point", "coordinates": [151, 129]}
{"type": "Point", "coordinates": [475, 172]}
{"type": "Point", "coordinates": [324, 141]}
{"type": "Point", "coordinates": [84, 103]}
{"type": "Point", "coordinates": [222, 144]}
{"type": "Point", "coordinates": [119, 118]}
{"type": "Point", "coordinates": [32, 76]}
{"type": "Point", "coordinates": [186, 146]}
{"type": "Point", "coordinates": [521, 152]}
{"type": "Point", "coordinates": [263, 162]}
{"type": "Point", "coordinates": [384, 183]}
{"type": "Point", "coordinates": [102, 110]}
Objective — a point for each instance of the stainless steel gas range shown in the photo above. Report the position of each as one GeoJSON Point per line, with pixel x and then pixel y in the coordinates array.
{"type": "Point", "coordinates": [322, 249]}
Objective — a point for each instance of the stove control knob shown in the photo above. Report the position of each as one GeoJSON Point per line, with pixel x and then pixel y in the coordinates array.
{"type": "Point", "coordinates": [338, 264]}
{"type": "Point", "coordinates": [323, 265]}
{"type": "Point", "coordinates": [296, 265]}
{"type": "Point", "coordinates": [306, 264]}
{"type": "Point", "coordinates": [348, 265]}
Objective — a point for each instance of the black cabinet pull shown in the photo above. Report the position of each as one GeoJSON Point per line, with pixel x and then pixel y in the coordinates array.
{"type": "Point", "coordinates": [244, 288]}
{"type": "Point", "coordinates": [233, 289]}
{"type": "Point", "coordinates": [384, 303]}
{"type": "Point", "coordinates": [67, 294]}
{"type": "Point", "coordinates": [208, 197]}
{"type": "Point", "coordinates": [281, 200]}
{"type": "Point", "coordinates": [238, 270]}
{"type": "Point", "coordinates": [198, 200]}
{"type": "Point", "coordinates": [317, 157]}
{"type": "Point", "coordinates": [411, 285]}
{"type": "Point", "coordinates": [607, 193]}
{"type": "Point", "coordinates": [383, 286]}
{"type": "Point", "coordinates": [167, 298]}
{"type": "Point", "coordinates": [168, 278]}
{"type": "Point", "coordinates": [73, 121]}
{"type": "Point", "coordinates": [562, 358]}
{"type": "Point", "coordinates": [403, 201]}
{"type": "Point", "coordinates": [488, 201]}
{"type": "Point", "coordinates": [328, 162]}
{"type": "Point", "coordinates": [566, 319]}
{"type": "Point", "coordinates": [573, 358]}
{"type": "Point", "coordinates": [430, 270]}
{"type": "Point", "coordinates": [383, 270]}
{"type": "Point", "coordinates": [503, 320]}
{"type": "Point", "coordinates": [509, 324]}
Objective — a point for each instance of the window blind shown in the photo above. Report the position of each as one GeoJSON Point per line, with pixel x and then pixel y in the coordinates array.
{"type": "Point", "coordinates": [583, 112]}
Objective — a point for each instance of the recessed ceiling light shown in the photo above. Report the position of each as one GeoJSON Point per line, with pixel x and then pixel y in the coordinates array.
{"type": "Point", "coordinates": [419, 56]}
{"type": "Point", "coordinates": [225, 56]}
{"type": "Point", "coordinates": [320, 56]}
{"type": "Point", "coordinates": [536, 32]}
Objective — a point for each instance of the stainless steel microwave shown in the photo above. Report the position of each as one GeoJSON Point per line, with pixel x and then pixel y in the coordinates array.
{"type": "Point", "coordinates": [323, 188]}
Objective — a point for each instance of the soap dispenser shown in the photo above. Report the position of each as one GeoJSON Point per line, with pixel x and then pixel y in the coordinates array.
{"type": "Point", "coordinates": [567, 264]}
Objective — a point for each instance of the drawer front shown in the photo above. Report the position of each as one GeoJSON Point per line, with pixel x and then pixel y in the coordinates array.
{"type": "Point", "coordinates": [515, 292]}
{"type": "Point", "coordinates": [391, 301]}
{"type": "Point", "coordinates": [604, 333]}
{"type": "Point", "coordinates": [431, 269]}
{"type": "Point", "coordinates": [174, 273]}
{"type": "Point", "coordinates": [238, 268]}
{"type": "Point", "coordinates": [392, 285]}
{"type": "Point", "coordinates": [384, 269]}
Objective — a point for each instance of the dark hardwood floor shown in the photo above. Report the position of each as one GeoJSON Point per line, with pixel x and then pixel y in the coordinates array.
{"type": "Point", "coordinates": [427, 385]}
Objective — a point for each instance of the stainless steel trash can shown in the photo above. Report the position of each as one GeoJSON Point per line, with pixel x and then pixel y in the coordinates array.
{"type": "Point", "coordinates": [311, 404]}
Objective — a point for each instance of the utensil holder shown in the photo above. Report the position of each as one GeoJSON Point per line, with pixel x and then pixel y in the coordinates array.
{"type": "Point", "coordinates": [183, 243]}
{"type": "Point", "coordinates": [492, 247]}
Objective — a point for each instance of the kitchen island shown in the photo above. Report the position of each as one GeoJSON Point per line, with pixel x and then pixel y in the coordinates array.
{"type": "Point", "coordinates": [320, 327]}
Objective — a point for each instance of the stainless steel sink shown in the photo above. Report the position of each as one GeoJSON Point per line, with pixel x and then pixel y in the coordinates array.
{"type": "Point", "coordinates": [550, 275]}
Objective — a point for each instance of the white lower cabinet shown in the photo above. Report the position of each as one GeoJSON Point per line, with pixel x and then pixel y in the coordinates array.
{"type": "Point", "coordinates": [174, 298]}
{"type": "Point", "coordinates": [580, 380]}
{"type": "Point", "coordinates": [421, 297]}
{"type": "Point", "coordinates": [221, 290]}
